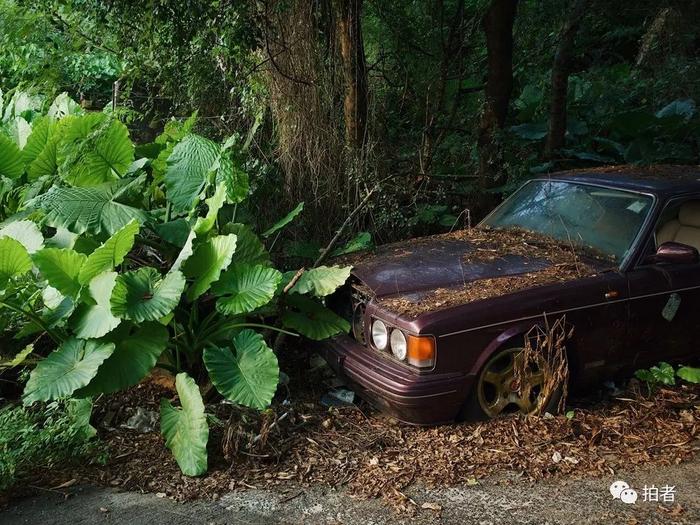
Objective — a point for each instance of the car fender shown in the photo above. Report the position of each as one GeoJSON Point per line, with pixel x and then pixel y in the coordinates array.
{"type": "Point", "coordinates": [511, 334]}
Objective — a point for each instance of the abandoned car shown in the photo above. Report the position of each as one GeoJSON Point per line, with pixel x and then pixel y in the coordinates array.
{"type": "Point", "coordinates": [439, 324]}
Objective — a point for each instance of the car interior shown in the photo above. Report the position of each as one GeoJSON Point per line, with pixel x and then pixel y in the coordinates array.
{"type": "Point", "coordinates": [680, 224]}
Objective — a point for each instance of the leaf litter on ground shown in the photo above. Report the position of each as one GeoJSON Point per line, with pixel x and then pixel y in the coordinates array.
{"type": "Point", "coordinates": [302, 443]}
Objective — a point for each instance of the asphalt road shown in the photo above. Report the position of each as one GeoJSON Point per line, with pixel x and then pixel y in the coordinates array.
{"type": "Point", "coordinates": [583, 501]}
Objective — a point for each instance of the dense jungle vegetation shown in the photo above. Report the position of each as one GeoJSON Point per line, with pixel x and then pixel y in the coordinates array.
{"type": "Point", "coordinates": [169, 167]}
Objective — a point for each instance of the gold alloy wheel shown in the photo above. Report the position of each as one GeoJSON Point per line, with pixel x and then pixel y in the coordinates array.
{"type": "Point", "coordinates": [498, 390]}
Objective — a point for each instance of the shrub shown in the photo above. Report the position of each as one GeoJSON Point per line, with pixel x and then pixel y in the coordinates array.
{"type": "Point", "coordinates": [44, 436]}
{"type": "Point", "coordinates": [130, 257]}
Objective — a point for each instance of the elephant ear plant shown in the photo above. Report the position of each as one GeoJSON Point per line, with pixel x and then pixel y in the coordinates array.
{"type": "Point", "coordinates": [123, 258]}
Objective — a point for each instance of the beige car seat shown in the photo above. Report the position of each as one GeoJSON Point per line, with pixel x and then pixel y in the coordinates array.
{"type": "Point", "coordinates": [684, 229]}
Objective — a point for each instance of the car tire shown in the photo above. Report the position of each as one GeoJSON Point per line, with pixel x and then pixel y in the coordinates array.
{"type": "Point", "coordinates": [474, 407]}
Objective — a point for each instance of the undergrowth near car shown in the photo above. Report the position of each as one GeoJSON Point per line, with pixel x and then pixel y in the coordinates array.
{"type": "Point", "coordinates": [665, 374]}
{"type": "Point", "coordinates": [44, 436]}
{"type": "Point", "coordinates": [116, 258]}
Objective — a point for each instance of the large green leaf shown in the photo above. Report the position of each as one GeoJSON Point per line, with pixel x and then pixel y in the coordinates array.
{"type": "Point", "coordinates": [186, 251]}
{"type": "Point", "coordinates": [11, 165]}
{"type": "Point", "coordinates": [20, 130]}
{"type": "Point", "coordinates": [45, 164]}
{"type": "Point", "coordinates": [531, 130]}
{"type": "Point", "coordinates": [95, 149]}
{"type": "Point", "coordinates": [41, 131]}
{"type": "Point", "coordinates": [96, 320]}
{"type": "Point", "coordinates": [243, 288]}
{"type": "Point", "coordinates": [207, 262]}
{"type": "Point", "coordinates": [62, 106]}
{"type": "Point", "coordinates": [135, 354]}
{"type": "Point", "coordinates": [312, 319]}
{"type": "Point", "coordinates": [175, 232]}
{"type": "Point", "coordinates": [80, 411]}
{"type": "Point", "coordinates": [57, 309]}
{"type": "Point", "coordinates": [284, 220]}
{"type": "Point", "coordinates": [94, 210]}
{"type": "Point", "coordinates": [249, 376]}
{"type": "Point", "coordinates": [66, 369]}
{"type": "Point", "coordinates": [185, 429]}
{"type": "Point", "coordinates": [689, 374]}
{"type": "Point", "coordinates": [214, 204]}
{"type": "Point", "coordinates": [249, 249]}
{"type": "Point", "coordinates": [111, 254]}
{"type": "Point", "coordinates": [23, 102]}
{"type": "Point", "coordinates": [61, 267]}
{"type": "Point", "coordinates": [14, 260]}
{"type": "Point", "coordinates": [362, 241]}
{"type": "Point", "coordinates": [144, 295]}
{"type": "Point", "coordinates": [188, 168]}
{"type": "Point", "coordinates": [19, 358]}
{"type": "Point", "coordinates": [26, 232]}
{"type": "Point", "coordinates": [234, 179]}
{"type": "Point", "coordinates": [684, 108]}
{"type": "Point", "coordinates": [322, 281]}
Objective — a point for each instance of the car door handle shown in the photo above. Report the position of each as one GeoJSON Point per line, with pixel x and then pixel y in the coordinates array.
{"type": "Point", "coordinates": [612, 294]}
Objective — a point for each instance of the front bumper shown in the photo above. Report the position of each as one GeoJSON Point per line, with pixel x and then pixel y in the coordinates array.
{"type": "Point", "coordinates": [419, 399]}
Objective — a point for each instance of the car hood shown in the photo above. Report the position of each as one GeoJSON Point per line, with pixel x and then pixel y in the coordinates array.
{"type": "Point", "coordinates": [435, 262]}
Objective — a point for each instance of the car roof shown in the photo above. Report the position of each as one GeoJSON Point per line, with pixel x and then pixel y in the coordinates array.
{"type": "Point", "coordinates": [663, 180]}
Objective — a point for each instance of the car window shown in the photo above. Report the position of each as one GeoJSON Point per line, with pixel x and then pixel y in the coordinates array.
{"type": "Point", "coordinates": [679, 222]}
{"type": "Point", "coordinates": [607, 220]}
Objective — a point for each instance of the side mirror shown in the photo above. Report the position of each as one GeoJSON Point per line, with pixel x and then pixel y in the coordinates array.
{"type": "Point", "coordinates": [675, 253]}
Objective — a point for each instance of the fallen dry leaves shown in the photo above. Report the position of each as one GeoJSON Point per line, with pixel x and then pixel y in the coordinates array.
{"type": "Point", "coordinates": [375, 456]}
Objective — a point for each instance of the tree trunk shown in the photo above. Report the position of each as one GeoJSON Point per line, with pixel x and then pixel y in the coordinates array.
{"type": "Point", "coordinates": [556, 138]}
{"type": "Point", "coordinates": [354, 71]}
{"type": "Point", "coordinates": [498, 27]}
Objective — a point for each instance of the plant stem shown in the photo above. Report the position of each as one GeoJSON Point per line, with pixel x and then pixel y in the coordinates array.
{"type": "Point", "coordinates": [213, 335]}
{"type": "Point", "coordinates": [35, 319]}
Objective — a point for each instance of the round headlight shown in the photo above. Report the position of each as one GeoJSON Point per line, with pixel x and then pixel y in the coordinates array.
{"type": "Point", "coordinates": [380, 336]}
{"type": "Point", "coordinates": [398, 344]}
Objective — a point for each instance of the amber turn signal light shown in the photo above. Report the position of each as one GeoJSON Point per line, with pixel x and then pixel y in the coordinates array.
{"type": "Point", "coordinates": [421, 351]}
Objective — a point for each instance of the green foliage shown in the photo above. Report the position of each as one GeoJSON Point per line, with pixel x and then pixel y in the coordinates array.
{"type": "Point", "coordinates": [96, 320]}
{"type": "Point", "coordinates": [144, 295]}
{"type": "Point", "coordinates": [136, 351]}
{"type": "Point", "coordinates": [43, 437]}
{"type": "Point", "coordinates": [284, 220]}
{"type": "Point", "coordinates": [689, 374]}
{"type": "Point", "coordinates": [185, 429]}
{"type": "Point", "coordinates": [243, 288]}
{"type": "Point", "coordinates": [665, 374]}
{"type": "Point", "coordinates": [249, 374]}
{"type": "Point", "coordinates": [93, 210]}
{"type": "Point", "coordinates": [207, 262]}
{"type": "Point", "coordinates": [311, 319]}
{"type": "Point", "coordinates": [10, 159]}
{"type": "Point", "coordinates": [94, 149]}
{"type": "Point", "coordinates": [14, 260]}
{"type": "Point", "coordinates": [65, 370]}
{"type": "Point", "coordinates": [61, 267]}
{"type": "Point", "coordinates": [111, 254]}
{"type": "Point", "coordinates": [143, 249]}
{"type": "Point", "coordinates": [189, 166]}
{"type": "Point", "coordinates": [26, 233]}
{"type": "Point", "coordinates": [321, 281]}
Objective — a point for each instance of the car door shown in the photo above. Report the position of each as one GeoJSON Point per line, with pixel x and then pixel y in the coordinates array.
{"type": "Point", "coordinates": [665, 298]}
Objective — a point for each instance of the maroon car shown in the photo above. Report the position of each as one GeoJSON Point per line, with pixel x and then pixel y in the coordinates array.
{"type": "Point", "coordinates": [439, 323]}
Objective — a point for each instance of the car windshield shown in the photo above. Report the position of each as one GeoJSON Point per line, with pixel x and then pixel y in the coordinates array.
{"type": "Point", "coordinates": [604, 219]}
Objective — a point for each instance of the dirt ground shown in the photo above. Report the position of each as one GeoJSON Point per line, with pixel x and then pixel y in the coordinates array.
{"type": "Point", "coordinates": [493, 500]}
{"type": "Point", "coordinates": [301, 462]}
